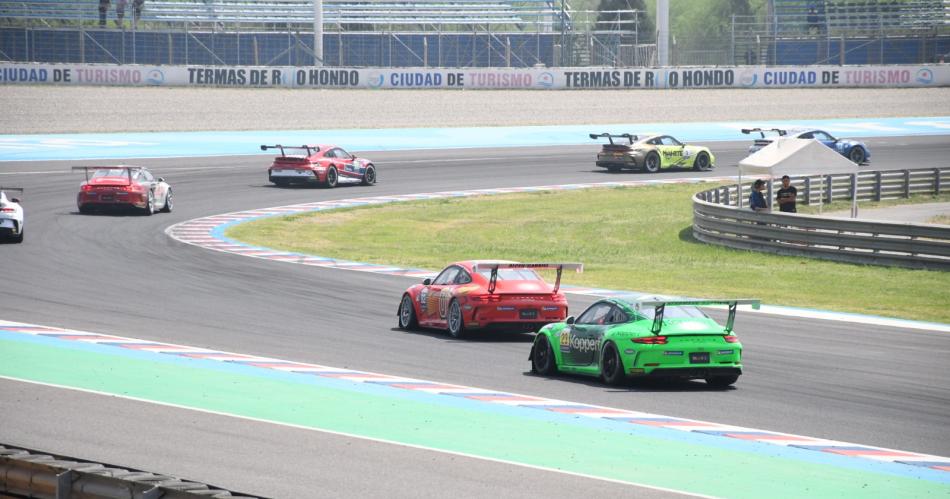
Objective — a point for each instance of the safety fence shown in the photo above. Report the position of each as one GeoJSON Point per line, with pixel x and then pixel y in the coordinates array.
{"type": "Point", "coordinates": [718, 219]}
{"type": "Point", "coordinates": [27, 473]}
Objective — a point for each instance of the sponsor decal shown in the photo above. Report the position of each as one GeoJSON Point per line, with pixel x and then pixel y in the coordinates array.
{"type": "Point", "coordinates": [375, 79]}
{"type": "Point", "coordinates": [572, 342]}
{"type": "Point", "coordinates": [327, 77]}
{"type": "Point", "coordinates": [423, 298]}
{"type": "Point", "coordinates": [564, 340]}
{"type": "Point", "coordinates": [748, 78]}
{"type": "Point", "coordinates": [444, 298]}
{"type": "Point", "coordinates": [545, 79]}
{"type": "Point", "coordinates": [155, 76]}
{"type": "Point", "coordinates": [925, 76]}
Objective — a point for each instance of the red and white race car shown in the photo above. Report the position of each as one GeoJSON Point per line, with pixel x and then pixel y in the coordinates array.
{"type": "Point", "coordinates": [486, 294]}
{"type": "Point", "coordinates": [326, 165]}
{"type": "Point", "coordinates": [123, 187]}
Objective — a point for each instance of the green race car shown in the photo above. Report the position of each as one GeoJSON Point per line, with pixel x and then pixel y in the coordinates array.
{"type": "Point", "coordinates": [651, 153]}
{"type": "Point", "coordinates": [637, 337]}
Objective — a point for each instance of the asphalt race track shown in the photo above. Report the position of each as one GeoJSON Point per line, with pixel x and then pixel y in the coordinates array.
{"type": "Point", "coordinates": [121, 274]}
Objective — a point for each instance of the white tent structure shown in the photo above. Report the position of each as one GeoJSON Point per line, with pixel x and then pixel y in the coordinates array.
{"type": "Point", "coordinates": [799, 157]}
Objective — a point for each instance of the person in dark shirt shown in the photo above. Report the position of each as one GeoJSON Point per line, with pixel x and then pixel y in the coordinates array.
{"type": "Point", "coordinates": [786, 196]}
{"type": "Point", "coordinates": [756, 199]}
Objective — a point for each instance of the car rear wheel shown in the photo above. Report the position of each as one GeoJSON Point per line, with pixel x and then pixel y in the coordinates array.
{"type": "Point", "coordinates": [652, 162]}
{"type": "Point", "coordinates": [454, 319]}
{"type": "Point", "coordinates": [542, 356]}
{"type": "Point", "coordinates": [702, 162]}
{"type": "Point", "coordinates": [369, 177]}
{"type": "Point", "coordinates": [611, 367]}
{"type": "Point", "coordinates": [149, 205]}
{"type": "Point", "coordinates": [19, 237]}
{"type": "Point", "coordinates": [857, 155]}
{"type": "Point", "coordinates": [722, 381]}
{"type": "Point", "coordinates": [331, 178]}
{"type": "Point", "coordinates": [407, 313]}
{"type": "Point", "coordinates": [169, 202]}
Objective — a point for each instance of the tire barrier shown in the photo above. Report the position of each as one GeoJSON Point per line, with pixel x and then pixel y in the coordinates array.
{"type": "Point", "coordinates": [718, 220]}
{"type": "Point", "coordinates": [28, 473]}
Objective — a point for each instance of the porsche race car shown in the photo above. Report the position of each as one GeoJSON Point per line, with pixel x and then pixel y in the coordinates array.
{"type": "Point", "coordinates": [651, 153]}
{"type": "Point", "coordinates": [109, 187]}
{"type": "Point", "coordinates": [476, 295]}
{"type": "Point", "coordinates": [854, 150]}
{"type": "Point", "coordinates": [326, 165]}
{"type": "Point", "coordinates": [636, 337]}
{"type": "Point", "coordinates": [11, 215]}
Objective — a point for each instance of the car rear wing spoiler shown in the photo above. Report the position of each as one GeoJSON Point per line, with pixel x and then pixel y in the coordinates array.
{"type": "Point", "coordinates": [494, 266]}
{"type": "Point", "coordinates": [781, 132]}
{"type": "Point", "coordinates": [659, 307]}
{"type": "Point", "coordinates": [12, 189]}
{"type": "Point", "coordinates": [310, 149]}
{"type": "Point", "coordinates": [629, 136]}
{"type": "Point", "coordinates": [86, 169]}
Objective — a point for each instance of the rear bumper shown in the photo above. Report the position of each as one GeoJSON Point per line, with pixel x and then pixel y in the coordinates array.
{"type": "Point", "coordinates": [629, 163]}
{"type": "Point", "coordinates": [308, 177]}
{"type": "Point", "coordinates": [688, 372]}
{"type": "Point", "coordinates": [507, 327]}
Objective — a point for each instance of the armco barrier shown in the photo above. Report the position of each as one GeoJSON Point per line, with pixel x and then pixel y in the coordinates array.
{"type": "Point", "coordinates": [25, 473]}
{"type": "Point", "coordinates": [717, 220]}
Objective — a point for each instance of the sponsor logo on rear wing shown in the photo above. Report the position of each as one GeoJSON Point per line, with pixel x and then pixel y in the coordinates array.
{"type": "Point", "coordinates": [763, 131]}
{"type": "Point", "coordinates": [659, 307]}
{"type": "Point", "coordinates": [494, 266]}
{"type": "Point", "coordinates": [629, 136]}
{"type": "Point", "coordinates": [311, 150]}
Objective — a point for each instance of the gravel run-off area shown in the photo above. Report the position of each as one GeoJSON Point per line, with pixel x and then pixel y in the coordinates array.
{"type": "Point", "coordinates": [62, 109]}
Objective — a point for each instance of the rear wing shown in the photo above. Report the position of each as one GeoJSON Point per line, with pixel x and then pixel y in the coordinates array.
{"type": "Point", "coordinates": [11, 189]}
{"type": "Point", "coordinates": [494, 266]}
{"type": "Point", "coordinates": [762, 131]}
{"type": "Point", "coordinates": [659, 306]}
{"type": "Point", "coordinates": [310, 149]}
{"type": "Point", "coordinates": [87, 169]}
{"type": "Point", "coordinates": [629, 136]}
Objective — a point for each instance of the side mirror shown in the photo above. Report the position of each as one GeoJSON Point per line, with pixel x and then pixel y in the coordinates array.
{"type": "Point", "coordinates": [426, 281]}
{"type": "Point", "coordinates": [570, 320]}
{"type": "Point", "coordinates": [15, 200]}
{"type": "Point", "coordinates": [161, 179]}
{"type": "Point", "coordinates": [263, 148]}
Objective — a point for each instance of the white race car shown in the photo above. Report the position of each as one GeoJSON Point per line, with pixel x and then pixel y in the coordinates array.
{"type": "Point", "coordinates": [11, 215]}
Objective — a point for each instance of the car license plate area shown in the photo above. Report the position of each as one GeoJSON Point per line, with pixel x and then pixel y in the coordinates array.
{"type": "Point", "coordinates": [699, 358]}
{"type": "Point", "coordinates": [528, 313]}
{"type": "Point", "coordinates": [109, 197]}
{"type": "Point", "coordinates": [7, 223]}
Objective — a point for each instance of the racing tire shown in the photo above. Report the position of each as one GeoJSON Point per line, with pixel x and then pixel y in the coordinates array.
{"type": "Point", "coordinates": [542, 357]}
{"type": "Point", "coordinates": [169, 202]}
{"type": "Point", "coordinates": [454, 320]}
{"type": "Point", "coordinates": [280, 182]}
{"type": "Point", "coordinates": [19, 237]}
{"type": "Point", "coordinates": [83, 209]}
{"type": "Point", "coordinates": [613, 169]}
{"type": "Point", "coordinates": [701, 162]}
{"type": "Point", "coordinates": [611, 366]}
{"type": "Point", "coordinates": [652, 162]}
{"type": "Point", "coordinates": [857, 155]}
{"type": "Point", "coordinates": [331, 178]}
{"type": "Point", "coordinates": [407, 314]}
{"type": "Point", "coordinates": [149, 205]}
{"type": "Point", "coordinates": [369, 177]}
{"type": "Point", "coordinates": [722, 381]}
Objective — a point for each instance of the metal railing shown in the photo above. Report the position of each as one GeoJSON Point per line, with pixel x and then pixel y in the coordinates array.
{"type": "Point", "coordinates": [718, 220]}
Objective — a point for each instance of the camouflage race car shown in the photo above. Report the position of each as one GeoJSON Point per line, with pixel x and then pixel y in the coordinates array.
{"type": "Point", "coordinates": [638, 337]}
{"type": "Point", "coordinates": [651, 153]}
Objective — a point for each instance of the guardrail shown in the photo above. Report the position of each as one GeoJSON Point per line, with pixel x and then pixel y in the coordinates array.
{"type": "Point", "coordinates": [718, 220]}
{"type": "Point", "coordinates": [27, 473]}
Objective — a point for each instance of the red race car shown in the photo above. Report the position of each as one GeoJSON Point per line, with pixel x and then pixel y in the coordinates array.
{"type": "Point", "coordinates": [326, 165]}
{"type": "Point", "coordinates": [123, 187]}
{"type": "Point", "coordinates": [486, 294]}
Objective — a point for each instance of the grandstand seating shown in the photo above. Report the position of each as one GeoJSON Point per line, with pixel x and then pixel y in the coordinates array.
{"type": "Point", "coordinates": [851, 16]}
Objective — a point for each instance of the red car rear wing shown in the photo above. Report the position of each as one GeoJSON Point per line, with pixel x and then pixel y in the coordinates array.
{"type": "Point", "coordinates": [659, 306]}
{"type": "Point", "coordinates": [310, 149]}
{"type": "Point", "coordinates": [632, 138]}
{"type": "Point", "coordinates": [86, 169]}
{"type": "Point", "coordinates": [494, 266]}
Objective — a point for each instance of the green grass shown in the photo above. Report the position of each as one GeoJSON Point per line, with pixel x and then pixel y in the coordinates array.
{"type": "Point", "coordinates": [637, 239]}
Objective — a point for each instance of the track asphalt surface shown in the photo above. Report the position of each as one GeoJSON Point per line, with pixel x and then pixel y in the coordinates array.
{"type": "Point", "coordinates": [122, 275]}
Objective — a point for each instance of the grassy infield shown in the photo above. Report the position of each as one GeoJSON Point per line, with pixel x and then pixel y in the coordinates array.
{"type": "Point", "coordinates": [636, 239]}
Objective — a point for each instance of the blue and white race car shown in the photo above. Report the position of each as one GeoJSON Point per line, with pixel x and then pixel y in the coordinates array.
{"type": "Point", "coordinates": [854, 150]}
{"type": "Point", "coordinates": [11, 215]}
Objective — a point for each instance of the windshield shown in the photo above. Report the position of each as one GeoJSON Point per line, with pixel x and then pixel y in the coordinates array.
{"type": "Point", "coordinates": [512, 275]}
{"type": "Point", "coordinates": [110, 172]}
{"type": "Point", "coordinates": [674, 313]}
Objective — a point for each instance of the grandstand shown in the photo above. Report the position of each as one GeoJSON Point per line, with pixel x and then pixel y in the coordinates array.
{"type": "Point", "coordinates": [454, 33]}
{"type": "Point", "coordinates": [854, 17]}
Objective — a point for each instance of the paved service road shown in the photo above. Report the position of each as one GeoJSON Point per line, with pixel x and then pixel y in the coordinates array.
{"type": "Point", "coordinates": [122, 275]}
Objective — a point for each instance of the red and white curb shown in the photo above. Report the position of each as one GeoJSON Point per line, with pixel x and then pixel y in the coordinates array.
{"type": "Point", "coordinates": [492, 396]}
{"type": "Point", "coordinates": [207, 232]}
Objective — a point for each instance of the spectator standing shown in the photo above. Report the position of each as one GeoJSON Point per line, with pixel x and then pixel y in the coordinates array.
{"type": "Point", "coordinates": [120, 13]}
{"type": "Point", "coordinates": [812, 20]}
{"type": "Point", "coordinates": [103, 10]}
{"type": "Point", "coordinates": [757, 199]}
{"type": "Point", "coordinates": [137, 11]}
{"type": "Point", "coordinates": [786, 196]}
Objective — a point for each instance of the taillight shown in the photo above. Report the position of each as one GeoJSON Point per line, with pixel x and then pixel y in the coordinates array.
{"type": "Point", "coordinates": [7, 210]}
{"type": "Point", "coordinates": [650, 340]}
{"type": "Point", "coordinates": [86, 187]}
{"type": "Point", "coordinates": [731, 338]}
{"type": "Point", "coordinates": [130, 188]}
{"type": "Point", "coordinates": [485, 298]}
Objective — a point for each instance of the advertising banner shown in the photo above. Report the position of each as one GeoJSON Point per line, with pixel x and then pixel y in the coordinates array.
{"type": "Point", "coordinates": [936, 75]}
